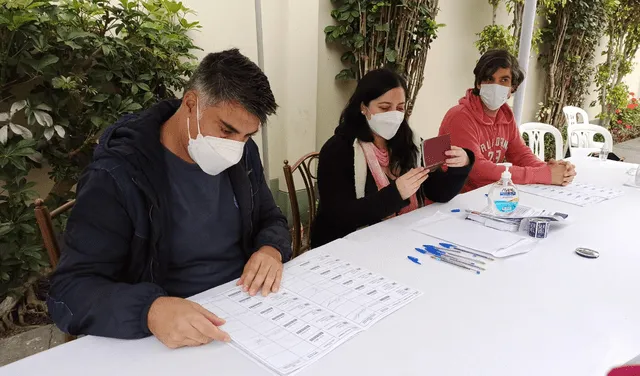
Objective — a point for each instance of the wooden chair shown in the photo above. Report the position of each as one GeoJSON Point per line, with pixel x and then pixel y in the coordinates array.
{"type": "Point", "coordinates": [307, 166]}
{"type": "Point", "coordinates": [49, 236]}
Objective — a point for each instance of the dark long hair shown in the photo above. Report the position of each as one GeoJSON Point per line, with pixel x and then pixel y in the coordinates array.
{"type": "Point", "coordinates": [403, 152]}
{"type": "Point", "coordinates": [489, 64]}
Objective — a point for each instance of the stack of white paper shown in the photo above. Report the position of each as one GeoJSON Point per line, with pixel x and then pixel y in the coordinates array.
{"type": "Point", "coordinates": [324, 302]}
{"type": "Point", "coordinates": [474, 236]}
{"type": "Point", "coordinates": [513, 221]}
{"type": "Point", "coordinates": [580, 194]}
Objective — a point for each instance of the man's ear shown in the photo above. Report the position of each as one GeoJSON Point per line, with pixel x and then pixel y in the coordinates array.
{"type": "Point", "coordinates": [189, 101]}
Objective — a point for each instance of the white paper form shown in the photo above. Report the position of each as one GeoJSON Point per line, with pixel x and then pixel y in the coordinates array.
{"type": "Point", "coordinates": [282, 331]}
{"type": "Point", "coordinates": [577, 194]}
{"type": "Point", "coordinates": [323, 302]}
{"type": "Point", "coordinates": [469, 234]}
{"type": "Point", "coordinates": [348, 290]}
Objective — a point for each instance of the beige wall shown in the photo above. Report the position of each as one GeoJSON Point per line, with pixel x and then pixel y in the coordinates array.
{"type": "Point", "coordinates": [449, 69]}
{"type": "Point", "coordinates": [290, 30]}
{"type": "Point", "coordinates": [332, 95]}
{"type": "Point", "coordinates": [301, 66]}
{"type": "Point", "coordinates": [448, 73]}
{"type": "Point", "coordinates": [632, 80]}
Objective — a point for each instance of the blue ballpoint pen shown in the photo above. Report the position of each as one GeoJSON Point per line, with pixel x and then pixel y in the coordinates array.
{"type": "Point", "coordinates": [454, 264]}
{"type": "Point", "coordinates": [451, 246]}
{"type": "Point", "coordinates": [414, 260]}
{"type": "Point", "coordinates": [455, 254]}
{"type": "Point", "coordinates": [452, 259]}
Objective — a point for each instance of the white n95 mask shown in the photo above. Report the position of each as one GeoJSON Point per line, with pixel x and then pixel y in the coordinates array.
{"type": "Point", "coordinates": [213, 154]}
{"type": "Point", "coordinates": [494, 96]}
{"type": "Point", "coordinates": [386, 124]}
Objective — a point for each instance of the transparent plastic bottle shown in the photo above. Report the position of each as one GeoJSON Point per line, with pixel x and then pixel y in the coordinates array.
{"type": "Point", "coordinates": [503, 195]}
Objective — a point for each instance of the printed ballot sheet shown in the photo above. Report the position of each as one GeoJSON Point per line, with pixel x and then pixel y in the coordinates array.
{"type": "Point", "coordinates": [323, 302]}
{"type": "Point", "coordinates": [577, 194]}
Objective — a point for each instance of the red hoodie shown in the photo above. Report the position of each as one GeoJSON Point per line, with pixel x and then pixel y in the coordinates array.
{"type": "Point", "coordinates": [492, 140]}
{"type": "Point", "coordinates": [625, 371]}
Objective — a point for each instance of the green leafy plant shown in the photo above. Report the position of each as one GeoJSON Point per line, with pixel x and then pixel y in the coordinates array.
{"type": "Point", "coordinates": [623, 30]}
{"type": "Point", "coordinates": [68, 69]}
{"type": "Point", "coordinates": [505, 37]}
{"type": "Point", "coordinates": [574, 29]}
{"type": "Point", "coordinates": [626, 121]}
{"type": "Point", "coordinates": [498, 36]}
{"type": "Point", "coordinates": [396, 34]}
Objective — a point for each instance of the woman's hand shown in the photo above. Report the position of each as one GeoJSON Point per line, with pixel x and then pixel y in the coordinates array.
{"type": "Point", "coordinates": [409, 183]}
{"type": "Point", "coordinates": [457, 157]}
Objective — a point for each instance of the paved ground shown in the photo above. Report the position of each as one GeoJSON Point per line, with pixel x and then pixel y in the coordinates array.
{"type": "Point", "coordinates": [630, 150]}
{"type": "Point", "coordinates": [29, 343]}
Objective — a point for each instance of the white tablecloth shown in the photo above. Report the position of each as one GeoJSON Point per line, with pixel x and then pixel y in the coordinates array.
{"type": "Point", "coordinates": [548, 312]}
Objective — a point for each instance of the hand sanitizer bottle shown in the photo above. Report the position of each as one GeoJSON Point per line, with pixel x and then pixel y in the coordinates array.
{"type": "Point", "coordinates": [503, 195]}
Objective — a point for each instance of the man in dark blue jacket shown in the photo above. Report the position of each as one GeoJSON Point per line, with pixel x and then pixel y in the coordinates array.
{"type": "Point", "coordinates": [174, 203]}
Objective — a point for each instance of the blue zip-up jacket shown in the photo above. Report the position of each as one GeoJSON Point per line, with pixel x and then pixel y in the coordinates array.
{"type": "Point", "coordinates": [116, 249]}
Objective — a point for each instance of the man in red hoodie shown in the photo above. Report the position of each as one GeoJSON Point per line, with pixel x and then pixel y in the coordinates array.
{"type": "Point", "coordinates": [483, 123]}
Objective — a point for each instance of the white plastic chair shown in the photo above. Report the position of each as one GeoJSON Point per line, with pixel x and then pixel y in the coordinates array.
{"type": "Point", "coordinates": [580, 133]}
{"type": "Point", "coordinates": [585, 145]}
{"type": "Point", "coordinates": [536, 132]}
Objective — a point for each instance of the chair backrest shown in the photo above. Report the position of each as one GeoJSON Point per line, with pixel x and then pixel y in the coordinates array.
{"type": "Point", "coordinates": [580, 139]}
{"type": "Point", "coordinates": [571, 114]}
{"type": "Point", "coordinates": [49, 236]}
{"type": "Point", "coordinates": [307, 166]}
{"type": "Point", "coordinates": [536, 132]}
{"type": "Point", "coordinates": [580, 142]}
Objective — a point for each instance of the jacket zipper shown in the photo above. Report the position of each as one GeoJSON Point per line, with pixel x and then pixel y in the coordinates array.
{"type": "Point", "coordinates": [155, 249]}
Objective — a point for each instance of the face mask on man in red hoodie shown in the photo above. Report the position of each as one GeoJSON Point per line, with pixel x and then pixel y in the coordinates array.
{"type": "Point", "coordinates": [484, 123]}
{"type": "Point", "coordinates": [494, 95]}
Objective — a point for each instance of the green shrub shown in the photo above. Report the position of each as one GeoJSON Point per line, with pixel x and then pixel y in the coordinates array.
{"type": "Point", "coordinates": [68, 69]}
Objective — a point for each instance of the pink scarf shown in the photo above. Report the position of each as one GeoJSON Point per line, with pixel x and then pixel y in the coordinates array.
{"type": "Point", "coordinates": [376, 160]}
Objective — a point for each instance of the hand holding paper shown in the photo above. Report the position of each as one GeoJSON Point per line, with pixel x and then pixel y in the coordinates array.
{"type": "Point", "coordinates": [434, 149]}
{"type": "Point", "coordinates": [457, 157]}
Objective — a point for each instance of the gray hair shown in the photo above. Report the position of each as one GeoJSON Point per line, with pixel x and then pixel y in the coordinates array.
{"type": "Point", "coordinates": [229, 76]}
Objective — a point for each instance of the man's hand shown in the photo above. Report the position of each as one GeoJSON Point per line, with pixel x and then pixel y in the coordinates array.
{"type": "Point", "coordinates": [263, 272]}
{"type": "Point", "coordinates": [569, 173]}
{"type": "Point", "coordinates": [179, 322]}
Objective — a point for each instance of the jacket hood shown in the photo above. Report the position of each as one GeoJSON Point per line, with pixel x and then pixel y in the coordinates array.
{"type": "Point", "coordinates": [473, 104]}
{"type": "Point", "coordinates": [136, 137]}
{"type": "Point", "coordinates": [134, 140]}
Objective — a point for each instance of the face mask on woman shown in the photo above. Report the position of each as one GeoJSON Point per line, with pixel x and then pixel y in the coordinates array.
{"type": "Point", "coordinates": [386, 124]}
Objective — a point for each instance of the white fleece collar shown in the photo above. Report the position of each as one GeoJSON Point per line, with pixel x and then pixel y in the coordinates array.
{"type": "Point", "coordinates": [360, 164]}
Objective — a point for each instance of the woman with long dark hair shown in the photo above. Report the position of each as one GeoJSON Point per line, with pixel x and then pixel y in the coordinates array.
{"type": "Point", "coordinates": [371, 168]}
